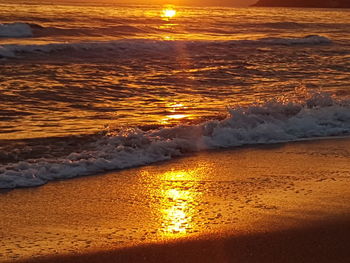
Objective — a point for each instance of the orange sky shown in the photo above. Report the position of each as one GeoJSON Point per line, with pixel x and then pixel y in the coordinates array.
{"type": "Point", "coordinates": [215, 2]}
{"type": "Point", "coordinates": [200, 2]}
{"type": "Point", "coordinates": [175, 2]}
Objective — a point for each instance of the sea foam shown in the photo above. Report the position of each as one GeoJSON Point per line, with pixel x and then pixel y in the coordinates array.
{"type": "Point", "coordinates": [318, 115]}
{"type": "Point", "coordinates": [17, 30]}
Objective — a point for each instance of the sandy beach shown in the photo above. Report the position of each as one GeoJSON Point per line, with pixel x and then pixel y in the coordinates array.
{"type": "Point", "coordinates": [276, 203]}
{"type": "Point", "coordinates": [317, 243]}
{"type": "Point", "coordinates": [174, 131]}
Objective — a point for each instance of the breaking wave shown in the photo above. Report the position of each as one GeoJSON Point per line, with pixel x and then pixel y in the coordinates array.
{"type": "Point", "coordinates": [318, 115]}
{"type": "Point", "coordinates": [24, 30]}
{"type": "Point", "coordinates": [10, 50]}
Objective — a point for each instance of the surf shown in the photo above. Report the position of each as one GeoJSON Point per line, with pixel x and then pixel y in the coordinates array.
{"type": "Point", "coordinates": [318, 115]}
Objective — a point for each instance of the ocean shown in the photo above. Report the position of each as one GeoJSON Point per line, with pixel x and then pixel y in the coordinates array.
{"type": "Point", "coordinates": [89, 88]}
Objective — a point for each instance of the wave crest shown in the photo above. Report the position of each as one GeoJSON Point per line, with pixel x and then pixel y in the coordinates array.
{"type": "Point", "coordinates": [152, 45]}
{"type": "Point", "coordinates": [16, 30]}
{"type": "Point", "coordinates": [318, 115]}
{"type": "Point", "coordinates": [308, 40]}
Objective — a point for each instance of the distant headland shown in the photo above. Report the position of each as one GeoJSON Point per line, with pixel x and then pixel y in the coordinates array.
{"type": "Point", "coordinates": [304, 3]}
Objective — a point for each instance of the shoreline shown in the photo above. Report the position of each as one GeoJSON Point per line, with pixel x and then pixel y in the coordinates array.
{"type": "Point", "coordinates": [185, 155]}
{"type": "Point", "coordinates": [213, 202]}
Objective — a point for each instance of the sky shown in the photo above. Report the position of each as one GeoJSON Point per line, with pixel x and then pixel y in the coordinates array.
{"type": "Point", "coordinates": [174, 2]}
{"type": "Point", "coordinates": [200, 2]}
{"type": "Point", "coordinates": [214, 2]}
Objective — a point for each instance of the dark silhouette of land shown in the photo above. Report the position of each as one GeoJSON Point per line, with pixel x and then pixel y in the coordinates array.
{"type": "Point", "coordinates": [304, 3]}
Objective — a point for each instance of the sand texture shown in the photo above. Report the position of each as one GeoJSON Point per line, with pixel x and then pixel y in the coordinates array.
{"type": "Point", "coordinates": [281, 203]}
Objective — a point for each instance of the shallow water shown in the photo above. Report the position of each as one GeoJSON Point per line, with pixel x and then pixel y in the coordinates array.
{"type": "Point", "coordinates": [103, 72]}
{"type": "Point", "coordinates": [113, 65]}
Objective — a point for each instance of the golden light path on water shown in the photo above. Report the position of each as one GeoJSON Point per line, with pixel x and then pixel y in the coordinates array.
{"type": "Point", "coordinates": [176, 114]}
{"type": "Point", "coordinates": [168, 14]}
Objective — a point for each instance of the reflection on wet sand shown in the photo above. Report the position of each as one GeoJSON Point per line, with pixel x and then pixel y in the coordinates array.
{"type": "Point", "coordinates": [235, 192]}
{"type": "Point", "coordinates": [178, 203]}
{"type": "Point", "coordinates": [177, 215]}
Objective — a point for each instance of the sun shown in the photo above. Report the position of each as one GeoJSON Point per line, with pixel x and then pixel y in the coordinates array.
{"type": "Point", "coordinates": [169, 12]}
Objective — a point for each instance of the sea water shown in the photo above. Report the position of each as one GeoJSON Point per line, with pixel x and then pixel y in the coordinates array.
{"type": "Point", "coordinates": [87, 88]}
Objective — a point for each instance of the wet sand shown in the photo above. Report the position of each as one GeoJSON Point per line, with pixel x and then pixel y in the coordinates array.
{"type": "Point", "coordinates": [324, 242]}
{"type": "Point", "coordinates": [281, 203]}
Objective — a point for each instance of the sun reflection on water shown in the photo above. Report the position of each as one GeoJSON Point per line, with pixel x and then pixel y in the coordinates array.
{"type": "Point", "coordinates": [177, 112]}
{"type": "Point", "coordinates": [177, 116]}
{"type": "Point", "coordinates": [168, 12]}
